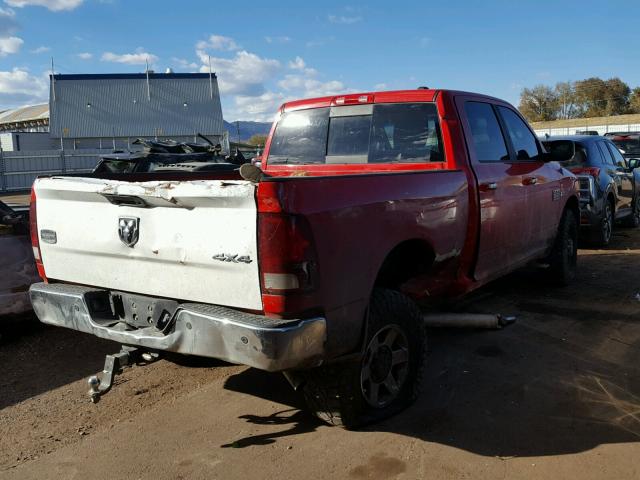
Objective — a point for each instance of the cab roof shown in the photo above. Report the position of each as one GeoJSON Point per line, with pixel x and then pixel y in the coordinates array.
{"type": "Point", "coordinates": [417, 95]}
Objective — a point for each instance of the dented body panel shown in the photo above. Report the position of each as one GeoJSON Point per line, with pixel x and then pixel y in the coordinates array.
{"type": "Point", "coordinates": [182, 227]}
{"type": "Point", "coordinates": [459, 221]}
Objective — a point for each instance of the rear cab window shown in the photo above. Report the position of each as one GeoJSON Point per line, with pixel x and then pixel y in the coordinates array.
{"type": "Point", "coordinates": [365, 134]}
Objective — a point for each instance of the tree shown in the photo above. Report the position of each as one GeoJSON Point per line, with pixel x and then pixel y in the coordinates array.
{"type": "Point", "coordinates": [539, 103]}
{"type": "Point", "coordinates": [258, 140]}
{"type": "Point", "coordinates": [566, 97]}
{"type": "Point", "coordinates": [616, 97]}
{"type": "Point", "coordinates": [634, 100]}
{"type": "Point", "coordinates": [590, 96]}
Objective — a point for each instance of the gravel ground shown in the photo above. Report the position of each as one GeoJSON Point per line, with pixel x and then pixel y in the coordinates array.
{"type": "Point", "coordinates": [557, 395]}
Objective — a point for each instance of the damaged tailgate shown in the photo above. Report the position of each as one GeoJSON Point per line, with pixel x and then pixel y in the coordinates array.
{"type": "Point", "coordinates": [188, 240]}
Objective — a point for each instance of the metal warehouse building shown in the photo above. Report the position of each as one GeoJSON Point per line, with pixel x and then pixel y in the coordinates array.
{"type": "Point", "coordinates": [112, 110]}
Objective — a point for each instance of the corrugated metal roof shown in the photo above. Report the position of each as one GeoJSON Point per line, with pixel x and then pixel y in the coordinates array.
{"type": "Point", "coordinates": [94, 106]}
{"type": "Point", "coordinates": [25, 114]}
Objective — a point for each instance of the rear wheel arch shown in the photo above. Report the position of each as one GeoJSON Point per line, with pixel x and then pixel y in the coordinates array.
{"type": "Point", "coordinates": [406, 260]}
{"type": "Point", "coordinates": [573, 205]}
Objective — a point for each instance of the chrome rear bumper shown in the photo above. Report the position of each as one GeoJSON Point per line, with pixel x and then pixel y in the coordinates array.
{"type": "Point", "coordinates": [195, 329]}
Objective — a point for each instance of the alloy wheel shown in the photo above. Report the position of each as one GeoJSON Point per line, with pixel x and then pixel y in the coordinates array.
{"type": "Point", "coordinates": [385, 366]}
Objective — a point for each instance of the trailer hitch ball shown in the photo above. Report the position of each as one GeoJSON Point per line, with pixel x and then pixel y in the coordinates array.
{"type": "Point", "coordinates": [94, 388]}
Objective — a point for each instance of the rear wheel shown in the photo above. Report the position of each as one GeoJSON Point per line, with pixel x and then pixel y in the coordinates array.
{"type": "Point", "coordinates": [564, 255]}
{"type": "Point", "coordinates": [388, 376]}
{"type": "Point", "coordinates": [633, 221]}
{"type": "Point", "coordinates": [602, 236]}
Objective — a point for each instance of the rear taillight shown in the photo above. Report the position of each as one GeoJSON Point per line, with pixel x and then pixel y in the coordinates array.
{"type": "Point", "coordinates": [35, 241]}
{"type": "Point", "coordinates": [286, 253]}
{"type": "Point", "coordinates": [593, 171]}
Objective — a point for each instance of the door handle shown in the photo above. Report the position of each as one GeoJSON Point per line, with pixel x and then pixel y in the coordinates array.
{"type": "Point", "coordinates": [489, 186]}
{"type": "Point", "coordinates": [530, 180]}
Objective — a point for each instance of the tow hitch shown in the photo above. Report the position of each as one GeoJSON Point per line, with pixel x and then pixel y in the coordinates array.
{"type": "Point", "coordinates": [113, 365]}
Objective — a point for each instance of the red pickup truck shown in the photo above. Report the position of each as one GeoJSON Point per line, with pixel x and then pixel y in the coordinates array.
{"type": "Point", "coordinates": [365, 204]}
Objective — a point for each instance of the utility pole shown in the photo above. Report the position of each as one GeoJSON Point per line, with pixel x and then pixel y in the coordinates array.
{"type": "Point", "coordinates": [238, 130]}
{"type": "Point", "coordinates": [53, 81]}
{"type": "Point", "coordinates": [148, 87]}
{"type": "Point", "coordinates": [210, 79]}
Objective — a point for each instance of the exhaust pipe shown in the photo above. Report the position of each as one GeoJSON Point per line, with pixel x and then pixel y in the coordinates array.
{"type": "Point", "coordinates": [468, 320]}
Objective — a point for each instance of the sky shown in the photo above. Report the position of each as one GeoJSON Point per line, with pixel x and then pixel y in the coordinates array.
{"type": "Point", "coordinates": [265, 53]}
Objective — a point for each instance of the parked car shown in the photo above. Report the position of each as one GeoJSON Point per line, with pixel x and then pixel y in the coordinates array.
{"type": "Point", "coordinates": [627, 142]}
{"type": "Point", "coordinates": [609, 187]}
{"type": "Point", "coordinates": [366, 204]}
{"type": "Point", "coordinates": [17, 266]}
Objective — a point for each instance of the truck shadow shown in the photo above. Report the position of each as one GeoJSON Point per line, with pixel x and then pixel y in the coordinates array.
{"type": "Point", "coordinates": [562, 380]}
{"type": "Point", "coordinates": [35, 358]}
{"type": "Point", "coordinates": [489, 393]}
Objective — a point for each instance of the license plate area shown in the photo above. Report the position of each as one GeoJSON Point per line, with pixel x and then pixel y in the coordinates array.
{"type": "Point", "coordinates": [137, 311]}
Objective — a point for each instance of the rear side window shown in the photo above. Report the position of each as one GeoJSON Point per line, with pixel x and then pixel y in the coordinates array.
{"type": "Point", "coordinates": [606, 154]}
{"type": "Point", "coordinates": [523, 141]}
{"type": "Point", "coordinates": [486, 134]}
{"type": "Point", "coordinates": [618, 159]}
{"type": "Point", "coordinates": [380, 133]}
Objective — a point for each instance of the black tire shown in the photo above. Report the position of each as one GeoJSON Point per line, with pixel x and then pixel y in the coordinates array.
{"type": "Point", "coordinates": [564, 255]}
{"type": "Point", "coordinates": [633, 221]}
{"type": "Point", "coordinates": [602, 235]}
{"type": "Point", "coordinates": [338, 394]}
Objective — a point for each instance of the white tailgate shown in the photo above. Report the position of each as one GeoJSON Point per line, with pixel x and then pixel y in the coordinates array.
{"type": "Point", "coordinates": [183, 227]}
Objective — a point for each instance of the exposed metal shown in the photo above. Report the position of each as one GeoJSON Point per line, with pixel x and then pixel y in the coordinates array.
{"type": "Point", "coordinates": [195, 329]}
{"type": "Point", "coordinates": [113, 365]}
{"type": "Point", "coordinates": [468, 320]}
{"type": "Point", "coordinates": [119, 105]}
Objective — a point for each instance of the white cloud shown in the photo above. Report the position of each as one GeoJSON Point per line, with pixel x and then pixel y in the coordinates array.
{"type": "Point", "coordinates": [344, 20]}
{"type": "Point", "coordinates": [8, 24]}
{"type": "Point", "coordinates": [297, 64]}
{"type": "Point", "coordinates": [41, 49]}
{"type": "Point", "coordinates": [253, 87]}
{"type": "Point", "coordinates": [53, 5]}
{"type": "Point", "coordinates": [244, 74]}
{"type": "Point", "coordinates": [9, 45]}
{"type": "Point", "coordinates": [218, 42]}
{"type": "Point", "coordinates": [283, 39]}
{"type": "Point", "coordinates": [185, 64]}
{"type": "Point", "coordinates": [85, 56]}
{"type": "Point", "coordinates": [261, 108]}
{"type": "Point", "coordinates": [380, 86]}
{"type": "Point", "coordinates": [19, 87]}
{"type": "Point", "coordinates": [140, 57]}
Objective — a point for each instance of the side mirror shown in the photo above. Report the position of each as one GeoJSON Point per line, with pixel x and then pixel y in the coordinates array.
{"type": "Point", "coordinates": [633, 163]}
{"type": "Point", "coordinates": [560, 150]}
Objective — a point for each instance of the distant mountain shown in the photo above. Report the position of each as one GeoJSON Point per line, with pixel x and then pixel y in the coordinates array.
{"type": "Point", "coordinates": [247, 129]}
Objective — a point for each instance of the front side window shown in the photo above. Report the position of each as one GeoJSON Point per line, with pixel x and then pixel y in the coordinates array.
{"type": "Point", "coordinates": [486, 135]}
{"type": "Point", "coordinates": [380, 133]}
{"type": "Point", "coordinates": [523, 141]}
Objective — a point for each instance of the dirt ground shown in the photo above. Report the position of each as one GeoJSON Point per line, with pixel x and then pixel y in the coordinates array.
{"type": "Point", "coordinates": [557, 395]}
